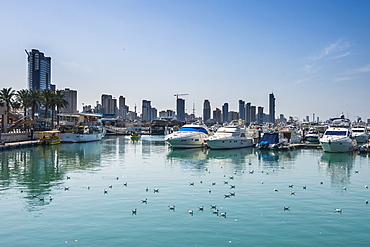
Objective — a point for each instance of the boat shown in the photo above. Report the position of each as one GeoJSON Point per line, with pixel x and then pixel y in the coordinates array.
{"type": "Point", "coordinates": [188, 136]}
{"type": "Point", "coordinates": [312, 136]}
{"type": "Point", "coordinates": [337, 140]}
{"type": "Point", "coordinates": [360, 134]}
{"type": "Point", "coordinates": [269, 140]}
{"type": "Point", "coordinates": [50, 137]}
{"type": "Point", "coordinates": [229, 137]}
{"type": "Point", "coordinates": [135, 136]}
{"type": "Point", "coordinates": [82, 127]}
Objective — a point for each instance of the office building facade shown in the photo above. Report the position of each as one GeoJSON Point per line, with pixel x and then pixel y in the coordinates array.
{"type": "Point", "coordinates": [206, 110]}
{"type": "Point", "coordinates": [39, 70]}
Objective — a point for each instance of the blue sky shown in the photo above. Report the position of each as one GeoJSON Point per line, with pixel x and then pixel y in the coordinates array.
{"type": "Point", "coordinates": [313, 55]}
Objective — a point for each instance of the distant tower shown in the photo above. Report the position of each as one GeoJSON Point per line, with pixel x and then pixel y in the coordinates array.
{"type": "Point", "coordinates": [272, 108]}
{"type": "Point", "coordinates": [242, 109]}
{"type": "Point", "coordinates": [260, 114]}
{"type": "Point", "coordinates": [39, 70]}
{"type": "Point", "coordinates": [180, 109]}
{"type": "Point", "coordinates": [225, 113]}
{"type": "Point", "coordinates": [71, 97]}
{"type": "Point", "coordinates": [146, 111]}
{"type": "Point", "coordinates": [217, 115]}
{"type": "Point", "coordinates": [206, 110]}
{"type": "Point", "coordinates": [248, 112]}
{"type": "Point", "coordinates": [253, 113]}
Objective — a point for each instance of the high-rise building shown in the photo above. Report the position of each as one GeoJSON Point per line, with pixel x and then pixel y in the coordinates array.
{"type": "Point", "coordinates": [253, 113]}
{"type": "Point", "coordinates": [233, 115]}
{"type": "Point", "coordinates": [206, 110]}
{"type": "Point", "coordinates": [225, 113]}
{"type": "Point", "coordinates": [146, 111]}
{"type": "Point", "coordinates": [260, 115]}
{"type": "Point", "coordinates": [271, 108]}
{"type": "Point", "coordinates": [71, 97]}
{"type": "Point", "coordinates": [180, 109]}
{"type": "Point", "coordinates": [39, 70]}
{"type": "Point", "coordinates": [242, 109]}
{"type": "Point", "coordinates": [108, 105]}
{"type": "Point", "coordinates": [248, 112]}
{"type": "Point", "coordinates": [217, 116]}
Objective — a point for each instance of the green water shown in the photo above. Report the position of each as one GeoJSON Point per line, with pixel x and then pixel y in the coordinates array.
{"type": "Point", "coordinates": [85, 215]}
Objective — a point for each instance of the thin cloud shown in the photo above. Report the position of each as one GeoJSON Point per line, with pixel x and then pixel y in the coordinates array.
{"type": "Point", "coordinates": [332, 50]}
{"type": "Point", "coordinates": [364, 69]}
{"type": "Point", "coordinates": [344, 78]}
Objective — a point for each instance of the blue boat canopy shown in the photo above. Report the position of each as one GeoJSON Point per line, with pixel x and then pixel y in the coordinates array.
{"type": "Point", "coordinates": [196, 129]}
{"type": "Point", "coordinates": [269, 138]}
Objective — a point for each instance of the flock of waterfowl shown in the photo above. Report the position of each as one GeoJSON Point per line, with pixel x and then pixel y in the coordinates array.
{"type": "Point", "coordinates": [212, 207]}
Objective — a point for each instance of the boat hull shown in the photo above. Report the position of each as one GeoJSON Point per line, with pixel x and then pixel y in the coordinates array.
{"type": "Point", "coordinates": [333, 146]}
{"type": "Point", "coordinates": [75, 137]}
{"type": "Point", "coordinates": [181, 140]}
{"type": "Point", "coordinates": [230, 143]}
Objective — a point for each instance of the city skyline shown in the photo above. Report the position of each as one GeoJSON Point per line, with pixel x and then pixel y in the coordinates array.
{"type": "Point", "coordinates": [313, 56]}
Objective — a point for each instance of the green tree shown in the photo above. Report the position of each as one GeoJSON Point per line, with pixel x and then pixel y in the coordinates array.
{"type": "Point", "coordinates": [35, 99]}
{"type": "Point", "coordinates": [6, 95]}
{"type": "Point", "coordinates": [59, 101]}
{"type": "Point", "coordinates": [47, 100]}
{"type": "Point", "coordinates": [23, 97]}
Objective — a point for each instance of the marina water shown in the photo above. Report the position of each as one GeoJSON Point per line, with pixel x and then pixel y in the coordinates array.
{"type": "Point", "coordinates": [84, 194]}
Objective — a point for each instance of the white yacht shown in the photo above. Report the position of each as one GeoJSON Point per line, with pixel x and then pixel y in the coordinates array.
{"type": "Point", "coordinates": [360, 134]}
{"type": "Point", "coordinates": [312, 136]}
{"type": "Point", "coordinates": [82, 127]}
{"type": "Point", "coordinates": [228, 137]}
{"type": "Point", "coordinates": [188, 136]}
{"type": "Point", "coordinates": [337, 140]}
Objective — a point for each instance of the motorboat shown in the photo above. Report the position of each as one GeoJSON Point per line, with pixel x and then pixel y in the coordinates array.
{"type": "Point", "coordinates": [338, 140]}
{"type": "Point", "coordinates": [228, 137]}
{"type": "Point", "coordinates": [189, 136]}
{"type": "Point", "coordinates": [312, 136]}
{"type": "Point", "coordinates": [50, 137]}
{"type": "Point", "coordinates": [135, 136]}
{"type": "Point", "coordinates": [269, 140]}
{"type": "Point", "coordinates": [83, 127]}
{"type": "Point", "coordinates": [360, 134]}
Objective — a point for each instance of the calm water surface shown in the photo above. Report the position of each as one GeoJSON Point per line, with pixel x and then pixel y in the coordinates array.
{"type": "Point", "coordinates": [75, 176]}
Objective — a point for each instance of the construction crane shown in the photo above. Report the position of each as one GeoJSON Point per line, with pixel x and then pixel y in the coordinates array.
{"type": "Point", "coordinates": [180, 94]}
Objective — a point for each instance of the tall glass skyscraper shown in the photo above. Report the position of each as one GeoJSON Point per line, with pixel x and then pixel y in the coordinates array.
{"type": "Point", "coordinates": [39, 70]}
{"type": "Point", "coordinates": [272, 108]}
{"type": "Point", "coordinates": [180, 109]}
{"type": "Point", "coordinates": [206, 110]}
{"type": "Point", "coordinates": [225, 113]}
{"type": "Point", "coordinates": [242, 109]}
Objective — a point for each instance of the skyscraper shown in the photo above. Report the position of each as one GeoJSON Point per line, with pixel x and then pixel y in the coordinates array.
{"type": "Point", "coordinates": [206, 110]}
{"type": "Point", "coordinates": [217, 115]}
{"type": "Point", "coordinates": [242, 109]}
{"type": "Point", "coordinates": [71, 97]}
{"type": "Point", "coordinates": [248, 112]}
{"type": "Point", "coordinates": [146, 111]}
{"type": "Point", "coordinates": [180, 109]}
{"type": "Point", "coordinates": [253, 113]}
{"type": "Point", "coordinates": [39, 70]}
{"type": "Point", "coordinates": [260, 115]}
{"type": "Point", "coordinates": [225, 113]}
{"type": "Point", "coordinates": [271, 108]}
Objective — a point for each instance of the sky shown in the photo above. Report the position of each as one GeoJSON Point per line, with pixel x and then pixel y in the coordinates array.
{"type": "Point", "coordinates": [313, 55]}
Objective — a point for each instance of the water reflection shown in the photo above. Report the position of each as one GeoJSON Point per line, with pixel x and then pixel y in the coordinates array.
{"type": "Point", "coordinates": [35, 171]}
{"type": "Point", "coordinates": [338, 167]}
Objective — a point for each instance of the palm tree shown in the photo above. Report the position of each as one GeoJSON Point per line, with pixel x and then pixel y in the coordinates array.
{"type": "Point", "coordinates": [46, 100]}
{"type": "Point", "coordinates": [59, 101]}
{"type": "Point", "coordinates": [35, 99]}
{"type": "Point", "coordinates": [6, 95]}
{"type": "Point", "coordinates": [23, 97]}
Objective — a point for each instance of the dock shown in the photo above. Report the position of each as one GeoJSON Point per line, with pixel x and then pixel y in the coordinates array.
{"type": "Point", "coordinates": [10, 145]}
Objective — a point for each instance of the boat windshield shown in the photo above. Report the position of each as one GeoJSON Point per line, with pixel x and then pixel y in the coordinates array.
{"type": "Point", "coordinates": [358, 130]}
{"type": "Point", "coordinates": [336, 132]}
{"type": "Point", "coordinates": [196, 129]}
